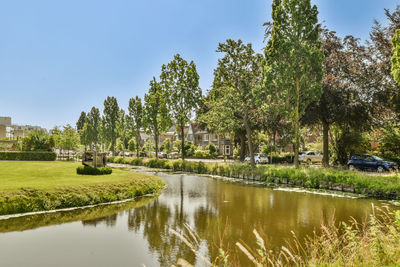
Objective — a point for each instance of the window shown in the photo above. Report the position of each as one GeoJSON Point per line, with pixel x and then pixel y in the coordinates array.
{"type": "Point", "coordinates": [205, 137]}
{"type": "Point", "coordinates": [214, 137]}
{"type": "Point", "coordinates": [227, 150]}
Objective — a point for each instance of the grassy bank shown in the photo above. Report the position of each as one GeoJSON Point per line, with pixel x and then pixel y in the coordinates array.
{"type": "Point", "coordinates": [376, 186]}
{"type": "Point", "coordinates": [38, 186]}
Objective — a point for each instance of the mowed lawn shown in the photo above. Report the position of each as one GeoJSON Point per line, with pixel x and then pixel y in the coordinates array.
{"type": "Point", "coordinates": [15, 175]}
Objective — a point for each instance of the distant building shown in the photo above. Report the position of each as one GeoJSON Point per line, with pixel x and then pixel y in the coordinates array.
{"type": "Point", "coordinates": [5, 123]}
{"type": "Point", "coordinates": [22, 130]}
{"type": "Point", "coordinates": [9, 130]}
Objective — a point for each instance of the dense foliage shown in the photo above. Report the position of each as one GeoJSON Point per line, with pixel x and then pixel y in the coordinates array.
{"type": "Point", "coordinates": [38, 141]}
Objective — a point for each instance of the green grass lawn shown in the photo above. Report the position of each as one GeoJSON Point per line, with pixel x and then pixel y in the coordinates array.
{"type": "Point", "coordinates": [15, 175]}
{"type": "Point", "coordinates": [27, 186]}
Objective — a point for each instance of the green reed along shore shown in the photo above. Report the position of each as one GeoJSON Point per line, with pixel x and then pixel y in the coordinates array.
{"type": "Point", "coordinates": [40, 186]}
{"type": "Point", "coordinates": [370, 185]}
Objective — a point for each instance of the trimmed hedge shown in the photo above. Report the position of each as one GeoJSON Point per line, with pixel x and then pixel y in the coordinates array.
{"type": "Point", "coordinates": [87, 170]}
{"type": "Point", "coordinates": [28, 155]}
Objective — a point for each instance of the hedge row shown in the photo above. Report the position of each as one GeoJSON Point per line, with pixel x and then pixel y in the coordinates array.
{"type": "Point", "coordinates": [87, 170]}
{"type": "Point", "coordinates": [28, 155]}
{"type": "Point", "coordinates": [382, 187]}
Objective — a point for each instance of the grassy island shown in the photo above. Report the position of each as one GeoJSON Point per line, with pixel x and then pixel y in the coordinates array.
{"type": "Point", "coordinates": [38, 186]}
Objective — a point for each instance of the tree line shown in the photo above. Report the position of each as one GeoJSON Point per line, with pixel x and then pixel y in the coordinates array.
{"type": "Point", "coordinates": [307, 77]}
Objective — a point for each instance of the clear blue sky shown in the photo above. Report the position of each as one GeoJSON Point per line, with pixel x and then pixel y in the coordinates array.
{"type": "Point", "coordinates": [58, 58]}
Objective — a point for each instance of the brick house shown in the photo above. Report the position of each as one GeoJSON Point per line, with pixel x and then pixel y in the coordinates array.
{"type": "Point", "coordinates": [200, 137]}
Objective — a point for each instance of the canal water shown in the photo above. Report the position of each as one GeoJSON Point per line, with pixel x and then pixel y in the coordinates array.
{"type": "Point", "coordinates": [138, 233]}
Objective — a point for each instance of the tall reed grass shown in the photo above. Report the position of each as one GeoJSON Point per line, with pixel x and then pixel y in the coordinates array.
{"type": "Point", "coordinates": [374, 242]}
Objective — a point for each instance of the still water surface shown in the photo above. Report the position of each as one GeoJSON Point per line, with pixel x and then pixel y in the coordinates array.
{"type": "Point", "coordinates": [136, 233]}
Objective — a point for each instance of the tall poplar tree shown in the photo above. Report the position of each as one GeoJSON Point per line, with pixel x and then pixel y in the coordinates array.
{"type": "Point", "coordinates": [233, 100]}
{"type": "Point", "coordinates": [81, 121]}
{"type": "Point", "coordinates": [156, 114]}
{"type": "Point", "coordinates": [293, 69]}
{"type": "Point", "coordinates": [111, 115]}
{"type": "Point", "coordinates": [135, 118]}
{"type": "Point", "coordinates": [180, 79]}
{"type": "Point", "coordinates": [94, 121]}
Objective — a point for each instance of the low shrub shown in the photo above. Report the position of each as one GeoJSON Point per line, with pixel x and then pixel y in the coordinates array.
{"type": "Point", "coordinates": [137, 161]}
{"type": "Point", "coordinates": [158, 163]}
{"type": "Point", "coordinates": [87, 170]}
{"type": "Point", "coordinates": [28, 155]}
{"type": "Point", "coordinates": [119, 160]}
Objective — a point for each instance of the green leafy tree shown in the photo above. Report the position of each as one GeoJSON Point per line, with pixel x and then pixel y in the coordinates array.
{"type": "Point", "coordinates": [123, 130]}
{"type": "Point", "coordinates": [56, 133]}
{"type": "Point", "coordinates": [94, 120]}
{"type": "Point", "coordinates": [135, 119]}
{"type": "Point", "coordinates": [70, 138]}
{"type": "Point", "coordinates": [178, 145]}
{"type": "Point", "coordinates": [84, 135]}
{"type": "Point", "coordinates": [396, 57]}
{"type": "Point", "coordinates": [156, 117]}
{"type": "Point", "coordinates": [132, 145]}
{"type": "Point", "coordinates": [181, 81]}
{"type": "Point", "coordinates": [111, 116]}
{"type": "Point", "coordinates": [233, 100]}
{"type": "Point", "coordinates": [384, 89]}
{"type": "Point", "coordinates": [81, 121]}
{"type": "Point", "coordinates": [293, 69]}
{"type": "Point", "coordinates": [167, 145]}
{"type": "Point", "coordinates": [37, 140]}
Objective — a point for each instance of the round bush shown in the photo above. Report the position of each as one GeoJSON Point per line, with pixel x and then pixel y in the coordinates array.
{"type": "Point", "coordinates": [87, 170]}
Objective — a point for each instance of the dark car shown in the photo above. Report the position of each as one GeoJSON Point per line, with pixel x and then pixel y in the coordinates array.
{"type": "Point", "coordinates": [370, 162]}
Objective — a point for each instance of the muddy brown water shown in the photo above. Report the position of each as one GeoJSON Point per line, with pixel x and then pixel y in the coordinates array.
{"type": "Point", "coordinates": [137, 233]}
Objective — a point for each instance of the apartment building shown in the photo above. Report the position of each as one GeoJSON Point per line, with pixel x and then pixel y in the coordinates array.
{"type": "Point", "coordinates": [11, 131]}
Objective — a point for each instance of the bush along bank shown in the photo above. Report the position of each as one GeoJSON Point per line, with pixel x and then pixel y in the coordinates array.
{"type": "Point", "coordinates": [31, 200]}
{"type": "Point", "coordinates": [374, 186]}
{"type": "Point", "coordinates": [87, 170]}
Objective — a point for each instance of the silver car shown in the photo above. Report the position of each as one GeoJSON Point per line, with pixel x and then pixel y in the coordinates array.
{"type": "Point", "coordinates": [310, 157]}
{"type": "Point", "coordinates": [258, 159]}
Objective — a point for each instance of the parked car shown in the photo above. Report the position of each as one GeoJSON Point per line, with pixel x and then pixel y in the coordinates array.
{"type": "Point", "coordinates": [162, 155]}
{"type": "Point", "coordinates": [173, 155]}
{"type": "Point", "coordinates": [258, 159]}
{"type": "Point", "coordinates": [310, 157]}
{"type": "Point", "coordinates": [371, 162]}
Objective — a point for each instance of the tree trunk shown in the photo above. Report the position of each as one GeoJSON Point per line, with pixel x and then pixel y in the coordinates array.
{"type": "Point", "coordinates": [137, 146]}
{"type": "Point", "coordinates": [325, 130]}
{"type": "Point", "coordinates": [249, 141]}
{"type": "Point", "coordinates": [183, 141]}
{"type": "Point", "coordinates": [272, 148]}
{"type": "Point", "coordinates": [156, 140]}
{"type": "Point", "coordinates": [242, 147]}
{"type": "Point", "coordinates": [297, 125]}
